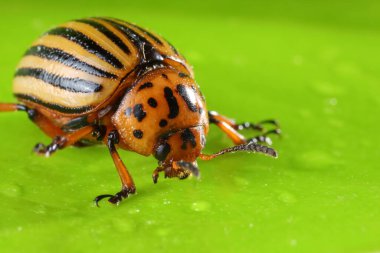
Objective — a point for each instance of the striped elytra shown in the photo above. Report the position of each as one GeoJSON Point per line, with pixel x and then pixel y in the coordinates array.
{"type": "Point", "coordinates": [87, 60]}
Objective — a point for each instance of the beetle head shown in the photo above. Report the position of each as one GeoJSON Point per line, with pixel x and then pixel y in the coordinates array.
{"type": "Point", "coordinates": [182, 145]}
{"type": "Point", "coordinates": [177, 152]}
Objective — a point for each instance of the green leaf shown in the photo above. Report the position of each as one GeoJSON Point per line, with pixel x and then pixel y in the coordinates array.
{"type": "Point", "coordinates": [314, 66]}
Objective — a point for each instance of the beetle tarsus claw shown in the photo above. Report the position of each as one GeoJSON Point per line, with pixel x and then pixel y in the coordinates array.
{"type": "Point", "coordinates": [273, 122]}
{"type": "Point", "coordinates": [100, 197]}
{"type": "Point", "coordinates": [155, 177]}
{"type": "Point", "coordinates": [39, 148]}
{"type": "Point", "coordinates": [57, 143]}
{"type": "Point", "coordinates": [156, 173]}
{"type": "Point", "coordinates": [117, 198]}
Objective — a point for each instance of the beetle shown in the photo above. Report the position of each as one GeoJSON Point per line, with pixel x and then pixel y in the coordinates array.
{"type": "Point", "coordinates": [106, 81]}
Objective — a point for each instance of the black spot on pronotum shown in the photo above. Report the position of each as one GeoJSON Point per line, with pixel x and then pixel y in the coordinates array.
{"type": "Point", "coordinates": [188, 136]}
{"type": "Point", "coordinates": [165, 76]}
{"type": "Point", "coordinates": [152, 102]}
{"type": "Point", "coordinates": [162, 151]}
{"type": "Point", "coordinates": [145, 85]}
{"type": "Point", "coordinates": [163, 123]}
{"type": "Point", "coordinates": [138, 133]}
{"type": "Point", "coordinates": [172, 103]}
{"type": "Point", "coordinates": [188, 96]}
{"type": "Point", "coordinates": [182, 75]}
{"type": "Point", "coordinates": [138, 112]}
{"type": "Point", "coordinates": [128, 111]}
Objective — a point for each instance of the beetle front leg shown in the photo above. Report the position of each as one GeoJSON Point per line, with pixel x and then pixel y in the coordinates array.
{"type": "Point", "coordinates": [127, 185]}
{"type": "Point", "coordinates": [231, 129]}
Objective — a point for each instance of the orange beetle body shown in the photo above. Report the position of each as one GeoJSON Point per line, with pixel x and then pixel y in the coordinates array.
{"type": "Point", "coordinates": [103, 80]}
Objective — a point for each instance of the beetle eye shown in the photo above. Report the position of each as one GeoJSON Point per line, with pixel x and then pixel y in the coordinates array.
{"type": "Point", "coordinates": [162, 151]}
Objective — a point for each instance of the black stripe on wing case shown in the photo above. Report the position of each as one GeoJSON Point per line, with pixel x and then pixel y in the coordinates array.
{"type": "Point", "coordinates": [109, 34]}
{"type": "Point", "coordinates": [146, 50]}
{"type": "Point", "coordinates": [65, 83]}
{"type": "Point", "coordinates": [87, 43]}
{"type": "Point", "coordinates": [67, 59]}
{"type": "Point", "coordinates": [149, 34]}
{"type": "Point", "coordinates": [54, 106]}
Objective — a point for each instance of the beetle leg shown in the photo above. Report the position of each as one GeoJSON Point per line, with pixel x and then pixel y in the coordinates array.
{"type": "Point", "coordinates": [60, 142]}
{"type": "Point", "coordinates": [231, 128]}
{"type": "Point", "coordinates": [226, 125]}
{"type": "Point", "coordinates": [128, 186]}
{"type": "Point", "coordinates": [4, 107]}
{"type": "Point", "coordinates": [263, 138]}
{"type": "Point", "coordinates": [255, 126]}
{"type": "Point", "coordinates": [40, 120]}
{"type": "Point", "coordinates": [156, 173]}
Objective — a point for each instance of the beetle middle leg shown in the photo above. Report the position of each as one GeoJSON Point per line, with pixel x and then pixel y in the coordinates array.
{"type": "Point", "coordinates": [231, 129]}
{"type": "Point", "coordinates": [39, 119]}
{"type": "Point", "coordinates": [62, 141]}
{"type": "Point", "coordinates": [128, 186]}
{"type": "Point", "coordinates": [5, 107]}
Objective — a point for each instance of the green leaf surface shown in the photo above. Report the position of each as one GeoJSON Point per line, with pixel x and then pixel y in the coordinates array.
{"type": "Point", "coordinates": [312, 65]}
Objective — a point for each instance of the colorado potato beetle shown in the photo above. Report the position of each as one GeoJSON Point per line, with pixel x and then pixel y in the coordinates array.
{"type": "Point", "coordinates": [104, 80]}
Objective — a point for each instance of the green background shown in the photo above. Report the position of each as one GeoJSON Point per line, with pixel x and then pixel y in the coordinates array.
{"type": "Point", "coordinates": [313, 66]}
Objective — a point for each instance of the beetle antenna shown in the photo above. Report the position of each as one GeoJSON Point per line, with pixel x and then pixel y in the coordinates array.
{"type": "Point", "coordinates": [250, 147]}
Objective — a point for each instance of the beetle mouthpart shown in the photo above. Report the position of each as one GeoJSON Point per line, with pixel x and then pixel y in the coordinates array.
{"type": "Point", "coordinates": [180, 169]}
{"type": "Point", "coordinates": [192, 167]}
{"type": "Point", "coordinates": [250, 147]}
